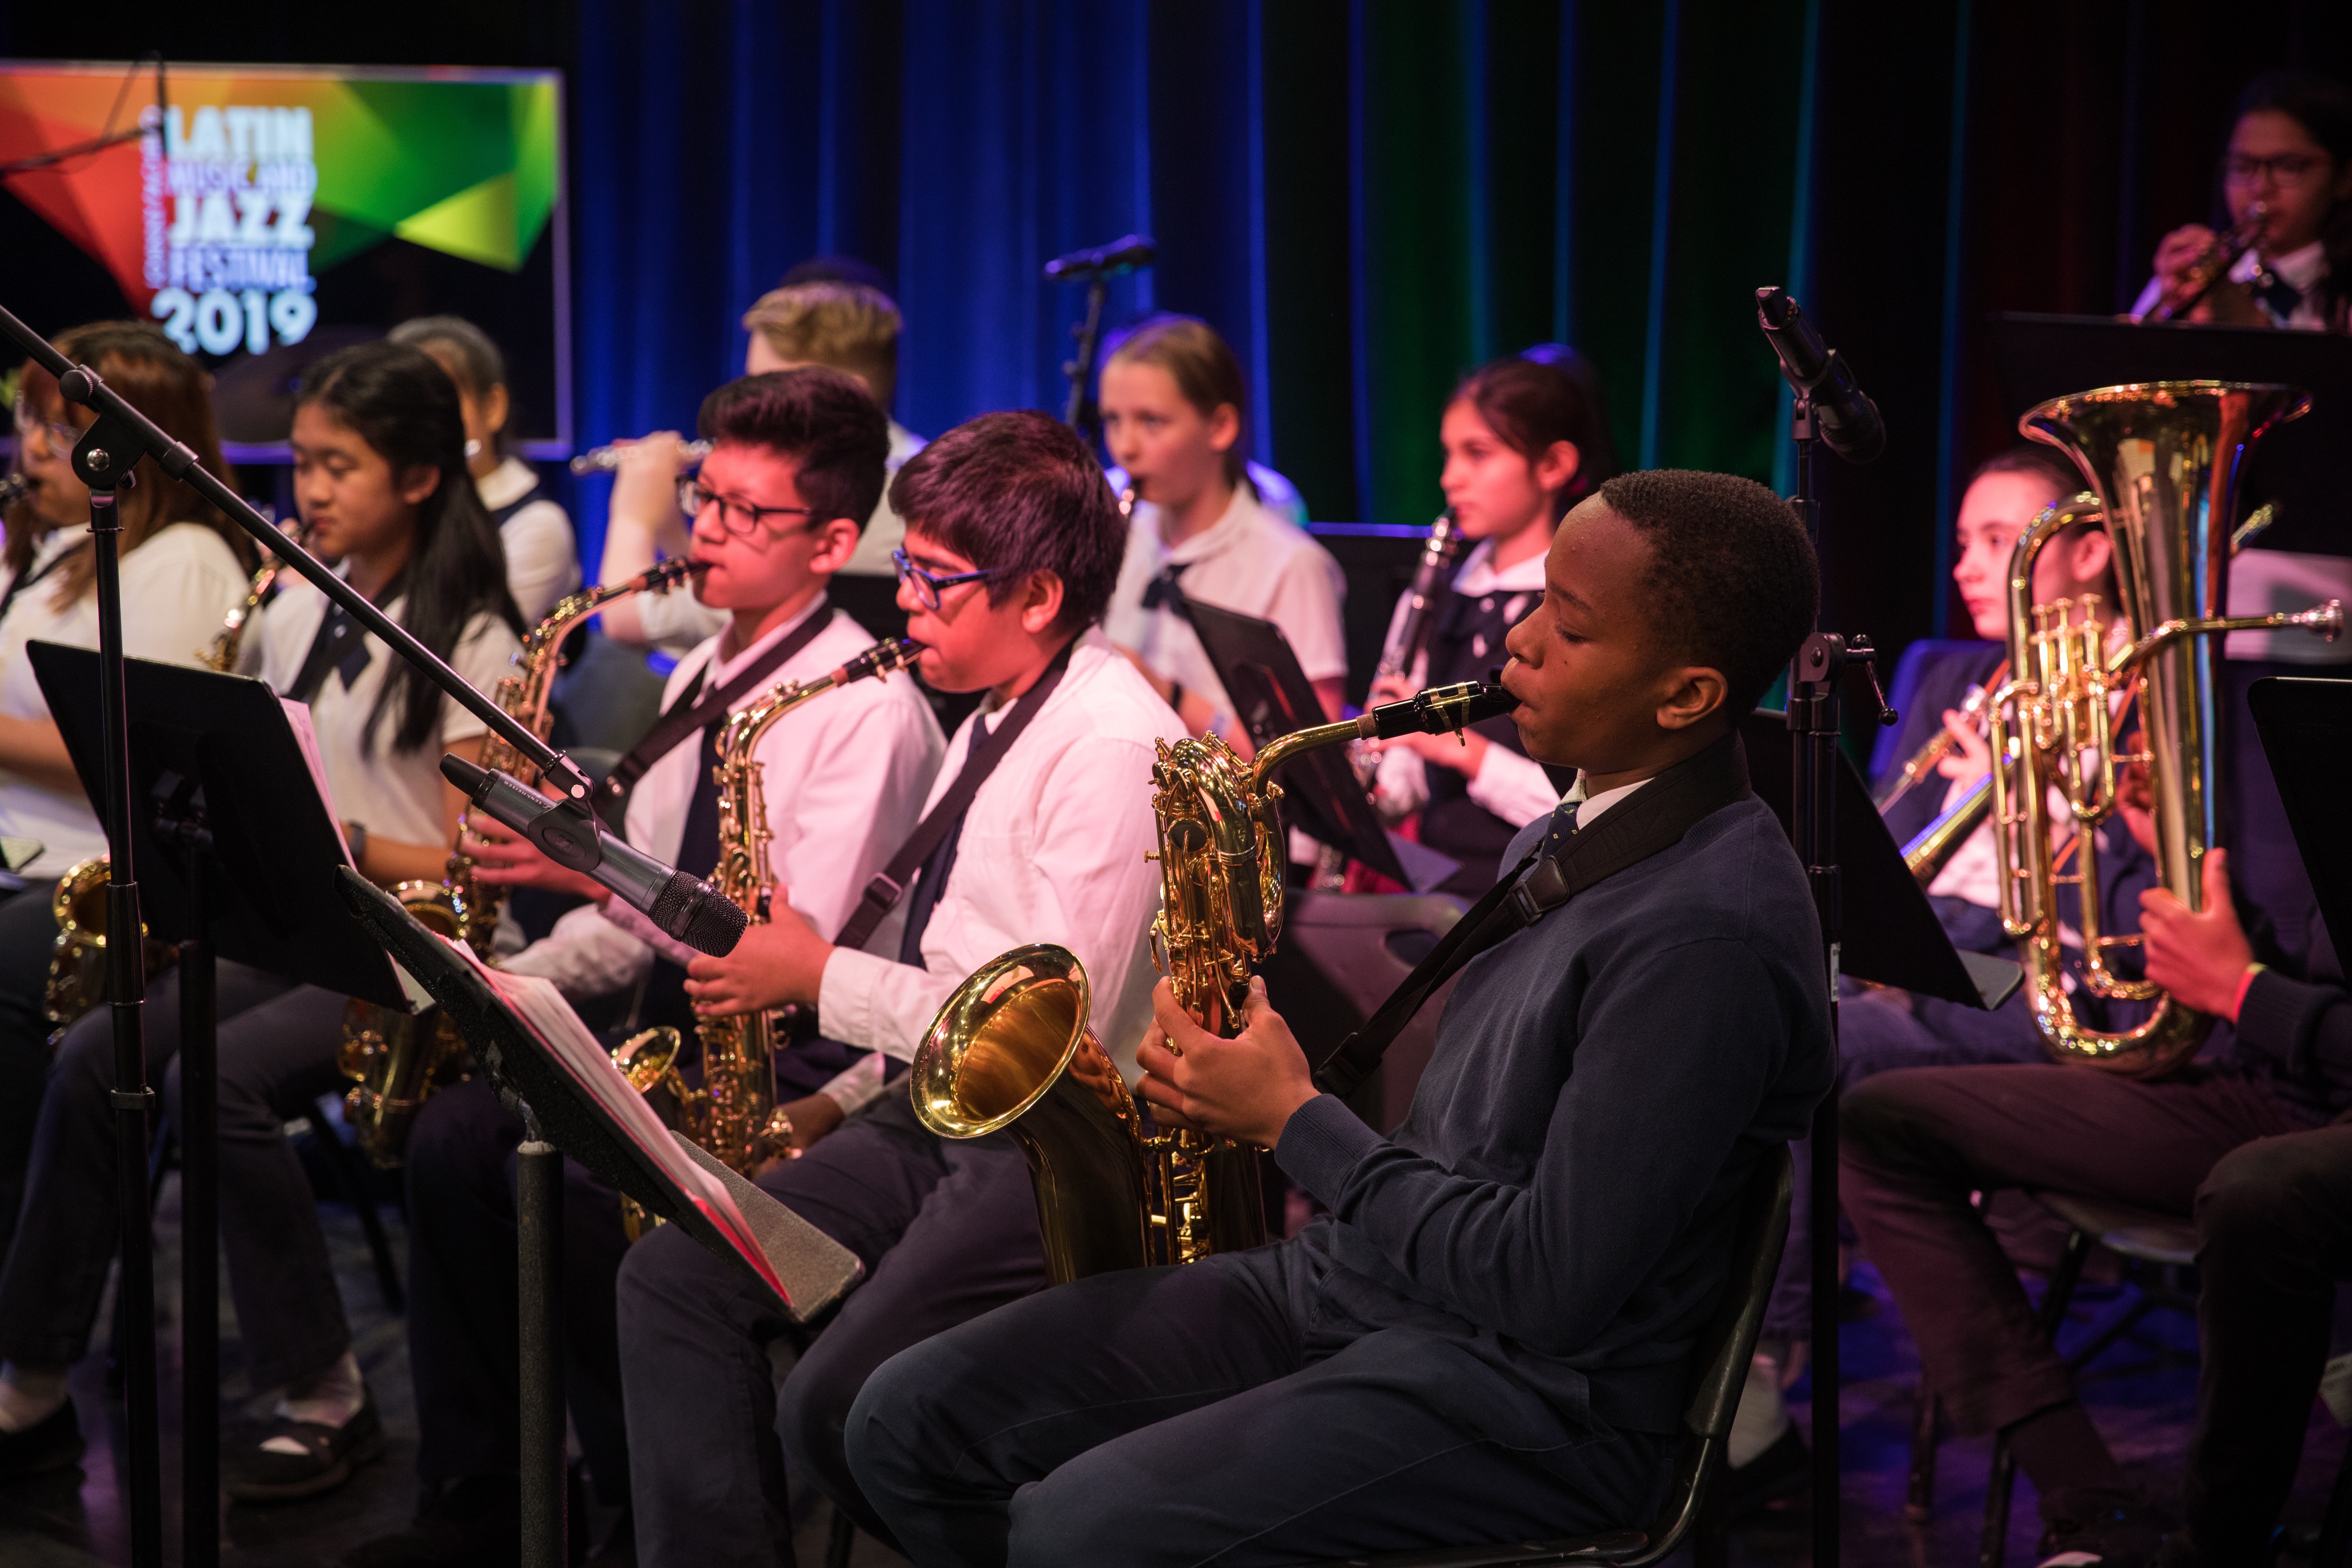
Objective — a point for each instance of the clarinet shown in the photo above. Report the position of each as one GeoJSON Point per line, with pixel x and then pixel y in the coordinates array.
{"type": "Point", "coordinates": [1404, 644]}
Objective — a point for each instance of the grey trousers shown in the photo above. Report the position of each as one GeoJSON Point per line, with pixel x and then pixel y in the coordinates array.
{"type": "Point", "coordinates": [278, 1046]}
{"type": "Point", "coordinates": [946, 1231]}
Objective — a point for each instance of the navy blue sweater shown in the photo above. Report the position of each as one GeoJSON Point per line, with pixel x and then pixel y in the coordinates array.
{"type": "Point", "coordinates": [1561, 1198]}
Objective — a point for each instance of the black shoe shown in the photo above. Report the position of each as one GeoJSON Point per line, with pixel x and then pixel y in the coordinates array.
{"type": "Point", "coordinates": [52, 1444]}
{"type": "Point", "coordinates": [252, 1473]}
{"type": "Point", "coordinates": [1781, 1469]}
{"type": "Point", "coordinates": [2099, 1530]}
{"type": "Point", "coordinates": [469, 1523]}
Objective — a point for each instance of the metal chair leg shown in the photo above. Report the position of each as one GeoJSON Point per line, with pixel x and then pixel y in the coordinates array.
{"type": "Point", "coordinates": [1992, 1549]}
{"type": "Point", "coordinates": [1919, 1496]}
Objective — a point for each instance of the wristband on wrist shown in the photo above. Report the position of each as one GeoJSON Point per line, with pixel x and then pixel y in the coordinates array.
{"type": "Point", "coordinates": [1176, 695]}
{"type": "Point", "coordinates": [2246, 984]}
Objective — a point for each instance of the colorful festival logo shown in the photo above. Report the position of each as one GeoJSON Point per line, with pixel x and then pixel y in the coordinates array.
{"type": "Point", "coordinates": [220, 218]}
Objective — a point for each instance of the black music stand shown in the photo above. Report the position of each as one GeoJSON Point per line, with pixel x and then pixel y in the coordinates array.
{"type": "Point", "coordinates": [2296, 468]}
{"type": "Point", "coordinates": [1272, 697]}
{"type": "Point", "coordinates": [806, 1271]}
{"type": "Point", "coordinates": [1891, 936]}
{"type": "Point", "coordinates": [224, 809]}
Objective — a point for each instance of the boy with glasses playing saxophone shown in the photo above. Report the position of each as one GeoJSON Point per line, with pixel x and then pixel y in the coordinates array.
{"type": "Point", "coordinates": [796, 468]}
{"type": "Point", "coordinates": [1036, 831]}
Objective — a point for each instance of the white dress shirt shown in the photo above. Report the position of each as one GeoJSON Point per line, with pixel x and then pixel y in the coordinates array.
{"type": "Point", "coordinates": [393, 793]}
{"type": "Point", "coordinates": [542, 560]}
{"type": "Point", "coordinates": [1512, 787]}
{"type": "Point", "coordinates": [842, 776]}
{"type": "Point", "coordinates": [1051, 851]}
{"type": "Point", "coordinates": [1250, 561]}
{"type": "Point", "coordinates": [177, 587]}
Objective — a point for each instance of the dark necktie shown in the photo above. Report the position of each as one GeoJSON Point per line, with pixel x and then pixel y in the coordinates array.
{"type": "Point", "coordinates": [1164, 589]}
{"type": "Point", "coordinates": [1563, 826]}
{"type": "Point", "coordinates": [698, 853]}
{"type": "Point", "coordinates": [932, 879]}
{"type": "Point", "coordinates": [2282, 297]}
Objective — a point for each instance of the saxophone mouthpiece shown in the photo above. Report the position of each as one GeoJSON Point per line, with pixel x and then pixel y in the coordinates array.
{"type": "Point", "coordinates": [883, 659]}
{"type": "Point", "coordinates": [1439, 711]}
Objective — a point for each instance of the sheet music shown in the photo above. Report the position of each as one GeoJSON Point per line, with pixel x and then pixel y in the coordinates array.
{"type": "Point", "coordinates": [297, 719]}
{"type": "Point", "coordinates": [543, 1010]}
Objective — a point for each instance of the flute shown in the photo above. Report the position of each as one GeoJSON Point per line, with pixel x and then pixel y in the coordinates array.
{"type": "Point", "coordinates": [604, 459]}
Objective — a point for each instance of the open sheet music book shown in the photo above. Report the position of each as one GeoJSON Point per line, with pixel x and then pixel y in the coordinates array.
{"type": "Point", "coordinates": [531, 1044]}
{"type": "Point", "coordinates": [540, 1007]}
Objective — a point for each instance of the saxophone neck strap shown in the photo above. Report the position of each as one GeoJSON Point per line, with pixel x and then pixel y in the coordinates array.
{"type": "Point", "coordinates": [691, 714]}
{"type": "Point", "coordinates": [889, 885]}
{"type": "Point", "coordinates": [1646, 823]}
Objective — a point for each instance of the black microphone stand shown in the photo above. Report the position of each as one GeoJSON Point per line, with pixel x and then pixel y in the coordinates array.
{"type": "Point", "coordinates": [1082, 414]}
{"type": "Point", "coordinates": [1816, 729]}
{"type": "Point", "coordinates": [104, 459]}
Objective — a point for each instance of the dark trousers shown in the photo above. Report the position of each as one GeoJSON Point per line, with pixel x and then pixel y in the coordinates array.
{"type": "Point", "coordinates": [28, 933]}
{"type": "Point", "coordinates": [2273, 1235]}
{"type": "Point", "coordinates": [463, 1306]}
{"type": "Point", "coordinates": [1916, 1143]}
{"type": "Point", "coordinates": [1879, 1031]}
{"type": "Point", "coordinates": [946, 1231]}
{"type": "Point", "coordinates": [1168, 1417]}
{"type": "Point", "coordinates": [277, 1057]}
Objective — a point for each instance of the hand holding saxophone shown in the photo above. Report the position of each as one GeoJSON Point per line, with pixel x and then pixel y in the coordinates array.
{"type": "Point", "coordinates": [1245, 1086]}
{"type": "Point", "coordinates": [504, 858]}
{"type": "Point", "coordinates": [779, 961]}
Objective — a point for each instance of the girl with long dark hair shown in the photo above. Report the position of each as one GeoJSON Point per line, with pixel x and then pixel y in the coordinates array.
{"type": "Point", "coordinates": [1524, 440]}
{"type": "Point", "coordinates": [380, 476]}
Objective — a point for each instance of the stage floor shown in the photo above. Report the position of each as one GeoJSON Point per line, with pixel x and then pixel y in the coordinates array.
{"type": "Point", "coordinates": [2142, 1401]}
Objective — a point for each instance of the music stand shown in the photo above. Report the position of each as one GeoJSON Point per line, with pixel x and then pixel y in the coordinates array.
{"type": "Point", "coordinates": [2297, 468]}
{"type": "Point", "coordinates": [224, 810]}
{"type": "Point", "coordinates": [1272, 697]}
{"type": "Point", "coordinates": [2305, 724]}
{"type": "Point", "coordinates": [553, 1077]}
{"type": "Point", "coordinates": [1891, 936]}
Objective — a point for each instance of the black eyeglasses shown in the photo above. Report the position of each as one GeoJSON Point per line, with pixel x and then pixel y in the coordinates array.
{"type": "Point", "coordinates": [926, 586]}
{"type": "Point", "coordinates": [2286, 169]}
{"type": "Point", "coordinates": [740, 518]}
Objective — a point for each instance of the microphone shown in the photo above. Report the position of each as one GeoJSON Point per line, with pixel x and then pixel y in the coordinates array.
{"type": "Point", "coordinates": [681, 906]}
{"type": "Point", "coordinates": [1847, 418]}
{"type": "Point", "coordinates": [1124, 254]}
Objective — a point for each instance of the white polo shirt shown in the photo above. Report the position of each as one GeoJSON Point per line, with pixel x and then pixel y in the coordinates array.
{"type": "Point", "coordinates": [391, 794]}
{"type": "Point", "coordinates": [178, 587]}
{"type": "Point", "coordinates": [1250, 561]}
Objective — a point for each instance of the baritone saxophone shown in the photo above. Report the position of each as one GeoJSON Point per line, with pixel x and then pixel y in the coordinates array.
{"type": "Point", "coordinates": [1011, 1049]}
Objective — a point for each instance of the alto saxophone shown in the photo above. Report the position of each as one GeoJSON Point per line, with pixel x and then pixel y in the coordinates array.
{"type": "Point", "coordinates": [78, 959]}
{"type": "Point", "coordinates": [1011, 1050]}
{"type": "Point", "coordinates": [397, 1059]}
{"type": "Point", "coordinates": [732, 1114]}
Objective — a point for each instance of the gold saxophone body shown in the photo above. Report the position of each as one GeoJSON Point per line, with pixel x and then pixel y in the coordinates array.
{"type": "Point", "coordinates": [2165, 459]}
{"type": "Point", "coordinates": [733, 1113]}
{"type": "Point", "coordinates": [1011, 1049]}
{"type": "Point", "coordinates": [397, 1059]}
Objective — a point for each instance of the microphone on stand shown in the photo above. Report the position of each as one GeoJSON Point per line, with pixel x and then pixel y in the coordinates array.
{"type": "Point", "coordinates": [1124, 254]}
{"type": "Point", "coordinates": [679, 904]}
{"type": "Point", "coordinates": [1847, 418]}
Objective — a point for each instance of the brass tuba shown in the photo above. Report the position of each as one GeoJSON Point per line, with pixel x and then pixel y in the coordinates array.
{"type": "Point", "coordinates": [732, 1114]}
{"type": "Point", "coordinates": [2165, 459]}
{"type": "Point", "coordinates": [1010, 1049]}
{"type": "Point", "coordinates": [395, 1059]}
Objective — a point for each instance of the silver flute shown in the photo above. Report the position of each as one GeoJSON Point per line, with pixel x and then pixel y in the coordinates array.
{"type": "Point", "coordinates": [604, 459]}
